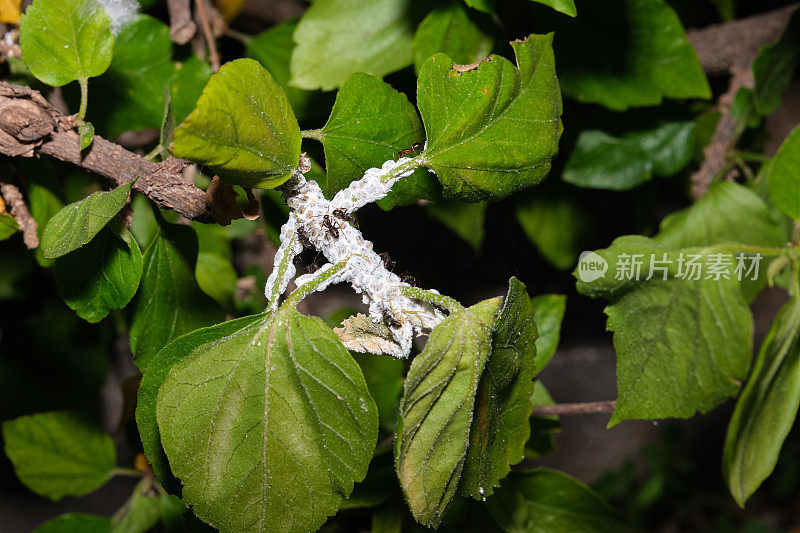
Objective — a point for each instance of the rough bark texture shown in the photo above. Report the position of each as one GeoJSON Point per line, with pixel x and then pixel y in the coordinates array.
{"type": "Point", "coordinates": [726, 134]}
{"type": "Point", "coordinates": [574, 408]}
{"type": "Point", "coordinates": [731, 48]}
{"type": "Point", "coordinates": [728, 44]}
{"type": "Point", "coordinates": [31, 126]}
{"type": "Point", "coordinates": [13, 199]}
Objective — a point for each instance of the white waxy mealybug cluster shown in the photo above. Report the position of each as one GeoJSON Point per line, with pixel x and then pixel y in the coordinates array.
{"type": "Point", "coordinates": [340, 242]}
{"type": "Point", "coordinates": [120, 12]}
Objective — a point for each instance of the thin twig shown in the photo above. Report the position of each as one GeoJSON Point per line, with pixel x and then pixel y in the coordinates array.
{"type": "Point", "coordinates": [19, 211]}
{"type": "Point", "coordinates": [211, 42]}
{"type": "Point", "coordinates": [726, 134]}
{"type": "Point", "coordinates": [238, 35]}
{"type": "Point", "coordinates": [574, 408]}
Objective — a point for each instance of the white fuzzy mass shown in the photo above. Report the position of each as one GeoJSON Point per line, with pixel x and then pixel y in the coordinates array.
{"type": "Point", "coordinates": [340, 242]}
{"type": "Point", "coordinates": [120, 12]}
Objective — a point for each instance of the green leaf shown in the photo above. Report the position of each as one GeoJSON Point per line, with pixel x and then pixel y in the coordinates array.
{"type": "Point", "coordinates": [728, 212]}
{"type": "Point", "coordinates": [141, 516]}
{"type": "Point", "coordinates": [336, 38]}
{"type": "Point", "coordinates": [500, 426]}
{"type": "Point", "coordinates": [562, 6]}
{"type": "Point", "coordinates": [188, 81]}
{"type": "Point", "coordinates": [602, 161]}
{"type": "Point", "coordinates": [452, 29]}
{"type": "Point", "coordinates": [549, 311]}
{"type": "Point", "coordinates": [543, 428]}
{"type": "Point", "coordinates": [268, 427]}
{"type": "Point", "coordinates": [194, 343]}
{"type": "Point", "coordinates": [170, 303]}
{"type": "Point", "coordinates": [548, 501]}
{"type": "Point", "coordinates": [774, 68]}
{"type": "Point", "coordinates": [726, 9]}
{"type": "Point", "coordinates": [214, 239]}
{"type": "Point", "coordinates": [243, 127]}
{"type": "Point", "coordinates": [43, 197]}
{"type": "Point", "coordinates": [101, 276]}
{"type": "Point", "coordinates": [743, 108]}
{"type": "Point", "coordinates": [8, 226]}
{"type": "Point", "coordinates": [273, 49]}
{"type": "Point", "coordinates": [57, 454]}
{"type": "Point", "coordinates": [766, 408]}
{"type": "Point", "coordinates": [66, 40]}
{"type": "Point", "coordinates": [369, 124]}
{"type": "Point", "coordinates": [437, 410]}
{"type": "Point", "coordinates": [380, 483]}
{"type": "Point", "coordinates": [492, 130]}
{"type": "Point", "coordinates": [466, 220]}
{"type": "Point", "coordinates": [783, 176]}
{"type": "Point", "coordinates": [624, 53]}
{"type": "Point", "coordinates": [85, 134]}
{"type": "Point", "coordinates": [384, 376]}
{"type": "Point", "coordinates": [143, 511]}
{"type": "Point", "coordinates": [76, 523]}
{"type": "Point", "coordinates": [556, 226]}
{"type": "Point", "coordinates": [421, 185]}
{"type": "Point", "coordinates": [167, 128]}
{"type": "Point", "coordinates": [683, 344]}
{"type": "Point", "coordinates": [487, 6]}
{"type": "Point", "coordinates": [143, 221]}
{"type": "Point", "coordinates": [217, 278]}
{"type": "Point", "coordinates": [142, 68]}
{"type": "Point", "coordinates": [78, 223]}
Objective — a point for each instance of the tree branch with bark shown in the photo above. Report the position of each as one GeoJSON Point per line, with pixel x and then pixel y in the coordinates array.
{"type": "Point", "coordinates": [30, 126]}
{"type": "Point", "coordinates": [731, 48]}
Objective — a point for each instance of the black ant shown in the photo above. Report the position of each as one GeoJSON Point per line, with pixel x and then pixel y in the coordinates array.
{"type": "Point", "coordinates": [405, 277]}
{"type": "Point", "coordinates": [387, 261]}
{"type": "Point", "coordinates": [416, 146]}
{"type": "Point", "coordinates": [330, 226]}
{"type": "Point", "coordinates": [303, 237]}
{"type": "Point", "coordinates": [342, 214]}
{"type": "Point", "coordinates": [390, 320]}
{"type": "Point", "coordinates": [313, 267]}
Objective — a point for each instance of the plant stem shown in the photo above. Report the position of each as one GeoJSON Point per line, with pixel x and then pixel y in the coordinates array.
{"type": "Point", "coordinates": [574, 408]}
{"type": "Point", "coordinates": [84, 83]}
{"type": "Point", "coordinates": [766, 250]}
{"type": "Point", "coordinates": [153, 153]}
{"type": "Point", "coordinates": [209, 35]}
{"type": "Point", "coordinates": [752, 156]}
{"type": "Point", "coordinates": [307, 288]}
{"type": "Point", "coordinates": [313, 134]}
{"type": "Point", "coordinates": [238, 35]}
{"type": "Point", "coordinates": [400, 169]}
{"type": "Point", "coordinates": [439, 300]}
{"type": "Point", "coordinates": [121, 471]}
{"type": "Point", "coordinates": [748, 173]}
{"type": "Point", "coordinates": [796, 233]}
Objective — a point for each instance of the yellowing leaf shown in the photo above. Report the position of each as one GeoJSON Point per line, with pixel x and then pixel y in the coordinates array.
{"type": "Point", "coordinates": [229, 9]}
{"type": "Point", "coordinates": [9, 11]}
